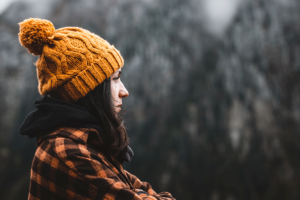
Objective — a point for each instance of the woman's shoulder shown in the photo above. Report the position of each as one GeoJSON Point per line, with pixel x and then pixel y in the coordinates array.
{"type": "Point", "coordinates": [77, 135]}
{"type": "Point", "coordinates": [69, 146]}
{"type": "Point", "coordinates": [66, 141]}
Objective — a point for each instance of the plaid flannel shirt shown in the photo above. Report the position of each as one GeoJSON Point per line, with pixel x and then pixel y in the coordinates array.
{"type": "Point", "coordinates": [69, 165]}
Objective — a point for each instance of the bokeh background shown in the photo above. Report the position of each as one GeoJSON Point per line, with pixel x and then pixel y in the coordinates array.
{"type": "Point", "coordinates": [214, 105]}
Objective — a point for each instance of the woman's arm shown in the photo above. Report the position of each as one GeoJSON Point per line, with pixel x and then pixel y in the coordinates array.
{"type": "Point", "coordinates": [144, 186]}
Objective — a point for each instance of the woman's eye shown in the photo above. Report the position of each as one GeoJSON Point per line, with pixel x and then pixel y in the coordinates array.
{"type": "Point", "coordinates": [117, 77]}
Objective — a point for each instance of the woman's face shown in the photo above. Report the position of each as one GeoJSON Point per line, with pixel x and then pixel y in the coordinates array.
{"type": "Point", "coordinates": [118, 90]}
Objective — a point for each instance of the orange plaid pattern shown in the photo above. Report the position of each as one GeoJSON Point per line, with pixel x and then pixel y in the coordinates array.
{"type": "Point", "coordinates": [70, 163]}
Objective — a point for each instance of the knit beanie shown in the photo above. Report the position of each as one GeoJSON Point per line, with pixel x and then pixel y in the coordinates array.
{"type": "Point", "coordinates": [72, 61]}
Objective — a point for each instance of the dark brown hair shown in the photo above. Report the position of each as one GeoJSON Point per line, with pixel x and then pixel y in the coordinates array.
{"type": "Point", "coordinates": [99, 103]}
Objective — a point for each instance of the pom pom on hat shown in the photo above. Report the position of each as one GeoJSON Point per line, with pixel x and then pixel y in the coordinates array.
{"type": "Point", "coordinates": [35, 33]}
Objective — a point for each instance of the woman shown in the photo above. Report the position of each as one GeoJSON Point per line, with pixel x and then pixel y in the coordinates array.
{"type": "Point", "coordinates": [81, 139]}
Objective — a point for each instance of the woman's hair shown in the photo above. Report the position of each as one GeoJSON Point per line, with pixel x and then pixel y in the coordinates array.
{"type": "Point", "coordinates": [99, 103]}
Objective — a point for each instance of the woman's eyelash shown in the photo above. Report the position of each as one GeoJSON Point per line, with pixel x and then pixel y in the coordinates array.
{"type": "Point", "coordinates": [119, 75]}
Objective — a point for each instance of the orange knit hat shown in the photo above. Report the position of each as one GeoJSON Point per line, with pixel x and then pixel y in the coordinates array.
{"type": "Point", "coordinates": [72, 61]}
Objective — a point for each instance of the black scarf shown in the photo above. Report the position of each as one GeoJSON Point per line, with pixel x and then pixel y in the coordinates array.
{"type": "Point", "coordinates": [52, 113]}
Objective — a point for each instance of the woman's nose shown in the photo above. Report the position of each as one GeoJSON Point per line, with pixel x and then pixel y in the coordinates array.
{"type": "Point", "coordinates": [123, 92]}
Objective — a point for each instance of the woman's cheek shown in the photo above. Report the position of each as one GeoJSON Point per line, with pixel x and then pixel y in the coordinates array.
{"type": "Point", "coordinates": [114, 91]}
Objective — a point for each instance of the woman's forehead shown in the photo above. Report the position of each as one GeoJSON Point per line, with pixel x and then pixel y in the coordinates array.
{"type": "Point", "coordinates": [119, 70]}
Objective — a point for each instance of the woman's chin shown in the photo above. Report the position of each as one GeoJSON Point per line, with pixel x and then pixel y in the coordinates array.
{"type": "Point", "coordinates": [118, 109]}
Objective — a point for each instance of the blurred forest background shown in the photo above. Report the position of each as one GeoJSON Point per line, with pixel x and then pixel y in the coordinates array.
{"type": "Point", "coordinates": [214, 105]}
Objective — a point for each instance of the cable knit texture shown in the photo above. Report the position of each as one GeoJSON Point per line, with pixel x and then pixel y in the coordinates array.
{"type": "Point", "coordinates": [72, 61]}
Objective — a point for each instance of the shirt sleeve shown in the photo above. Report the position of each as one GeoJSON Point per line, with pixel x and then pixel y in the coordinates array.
{"type": "Point", "coordinates": [96, 170]}
{"type": "Point", "coordinates": [144, 186]}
